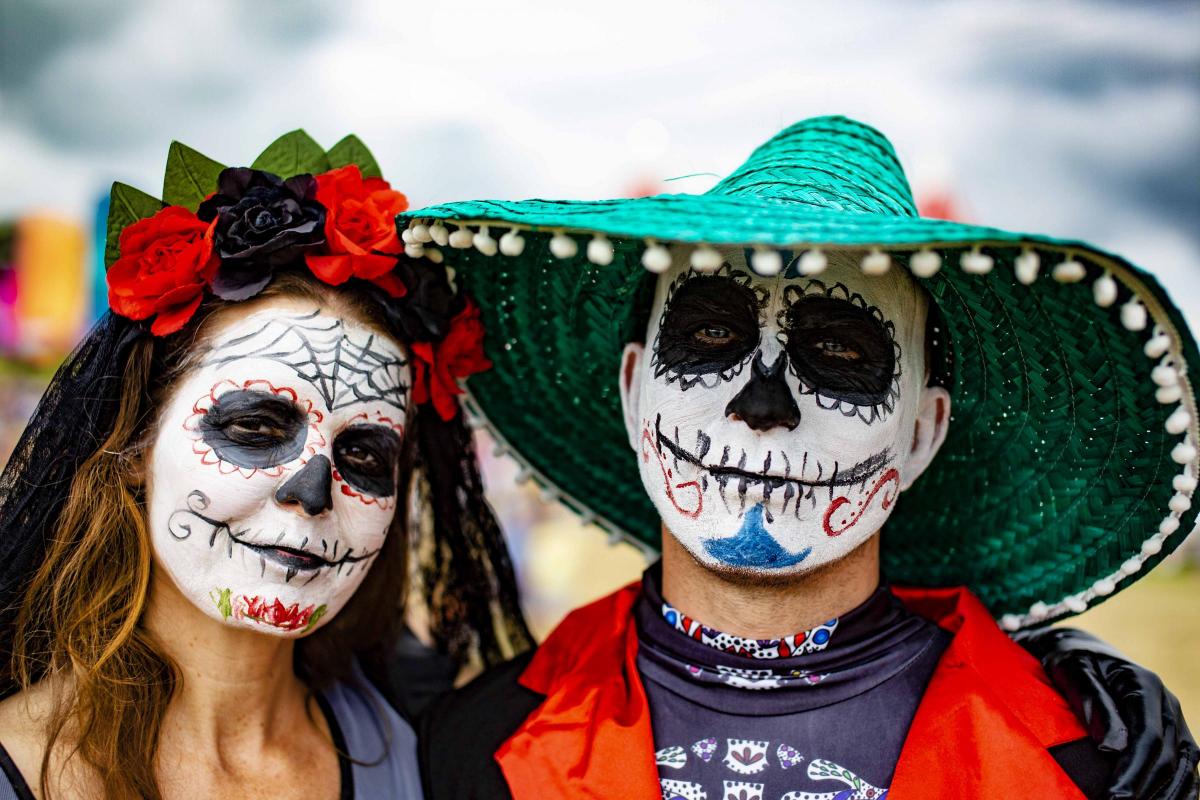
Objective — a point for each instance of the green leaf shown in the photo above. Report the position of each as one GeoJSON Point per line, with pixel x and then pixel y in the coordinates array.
{"type": "Point", "coordinates": [293, 154]}
{"type": "Point", "coordinates": [126, 205]}
{"type": "Point", "coordinates": [351, 150]}
{"type": "Point", "coordinates": [191, 177]}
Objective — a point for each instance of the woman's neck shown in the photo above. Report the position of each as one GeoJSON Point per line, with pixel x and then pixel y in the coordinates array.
{"type": "Point", "coordinates": [237, 689]}
{"type": "Point", "coordinates": [765, 608]}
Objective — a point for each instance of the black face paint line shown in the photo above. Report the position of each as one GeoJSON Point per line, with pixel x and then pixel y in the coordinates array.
{"type": "Point", "coordinates": [710, 326]}
{"type": "Point", "coordinates": [840, 350]}
{"type": "Point", "coordinates": [367, 457]}
{"type": "Point", "coordinates": [311, 487]}
{"type": "Point", "coordinates": [318, 350]}
{"type": "Point", "coordinates": [766, 402]}
{"type": "Point", "coordinates": [254, 429]}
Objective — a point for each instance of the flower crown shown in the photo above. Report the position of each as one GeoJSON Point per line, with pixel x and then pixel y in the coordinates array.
{"type": "Point", "coordinates": [226, 231]}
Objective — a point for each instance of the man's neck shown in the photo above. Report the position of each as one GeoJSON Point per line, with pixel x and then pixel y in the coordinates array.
{"type": "Point", "coordinates": [768, 607]}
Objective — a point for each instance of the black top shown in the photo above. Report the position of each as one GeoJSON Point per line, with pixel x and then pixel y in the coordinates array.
{"type": "Point", "coordinates": [829, 719]}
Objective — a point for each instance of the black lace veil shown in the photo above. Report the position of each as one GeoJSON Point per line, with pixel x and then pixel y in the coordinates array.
{"type": "Point", "coordinates": [465, 578]}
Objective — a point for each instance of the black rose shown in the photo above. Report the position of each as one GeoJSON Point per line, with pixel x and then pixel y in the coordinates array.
{"type": "Point", "coordinates": [423, 314]}
{"type": "Point", "coordinates": [263, 222]}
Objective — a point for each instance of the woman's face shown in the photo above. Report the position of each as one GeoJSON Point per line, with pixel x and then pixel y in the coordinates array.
{"type": "Point", "coordinates": [273, 472]}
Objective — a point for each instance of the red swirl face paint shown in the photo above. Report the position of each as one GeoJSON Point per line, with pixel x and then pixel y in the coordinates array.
{"type": "Point", "coordinates": [775, 414]}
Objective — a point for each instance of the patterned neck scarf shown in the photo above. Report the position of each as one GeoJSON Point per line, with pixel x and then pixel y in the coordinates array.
{"type": "Point", "coordinates": [809, 641]}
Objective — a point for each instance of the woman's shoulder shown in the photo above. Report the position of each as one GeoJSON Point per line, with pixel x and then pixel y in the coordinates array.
{"type": "Point", "coordinates": [23, 737]}
{"type": "Point", "coordinates": [380, 743]}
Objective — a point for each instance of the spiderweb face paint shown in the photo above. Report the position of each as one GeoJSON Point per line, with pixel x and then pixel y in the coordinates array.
{"type": "Point", "coordinates": [776, 413]}
{"type": "Point", "coordinates": [273, 473]}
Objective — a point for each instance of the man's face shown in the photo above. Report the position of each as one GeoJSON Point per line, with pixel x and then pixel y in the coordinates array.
{"type": "Point", "coordinates": [774, 417]}
{"type": "Point", "coordinates": [273, 471]}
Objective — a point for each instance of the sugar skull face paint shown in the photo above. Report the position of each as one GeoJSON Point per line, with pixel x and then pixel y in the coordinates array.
{"type": "Point", "coordinates": [773, 418]}
{"type": "Point", "coordinates": [273, 472]}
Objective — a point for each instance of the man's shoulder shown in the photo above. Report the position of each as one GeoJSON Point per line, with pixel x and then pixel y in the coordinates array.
{"type": "Point", "coordinates": [467, 726]}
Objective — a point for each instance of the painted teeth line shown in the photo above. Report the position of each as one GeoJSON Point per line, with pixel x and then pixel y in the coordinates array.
{"type": "Point", "coordinates": [1169, 373]}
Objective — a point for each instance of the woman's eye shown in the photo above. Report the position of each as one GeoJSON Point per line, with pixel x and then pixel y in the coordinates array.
{"type": "Point", "coordinates": [835, 348]}
{"type": "Point", "coordinates": [714, 334]}
{"type": "Point", "coordinates": [361, 459]}
{"type": "Point", "coordinates": [254, 428]}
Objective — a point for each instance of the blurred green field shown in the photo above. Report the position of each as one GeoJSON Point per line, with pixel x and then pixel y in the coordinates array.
{"type": "Point", "coordinates": [1156, 622]}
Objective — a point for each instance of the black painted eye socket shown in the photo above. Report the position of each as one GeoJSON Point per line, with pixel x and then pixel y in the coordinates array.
{"type": "Point", "coordinates": [366, 457]}
{"type": "Point", "coordinates": [710, 326]}
{"type": "Point", "coordinates": [839, 349]}
{"type": "Point", "coordinates": [254, 429]}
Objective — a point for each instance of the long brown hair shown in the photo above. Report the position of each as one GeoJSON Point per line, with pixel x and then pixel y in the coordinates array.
{"type": "Point", "coordinates": [80, 619]}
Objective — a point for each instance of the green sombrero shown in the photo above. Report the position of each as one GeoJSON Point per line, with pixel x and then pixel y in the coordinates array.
{"type": "Point", "coordinates": [1071, 458]}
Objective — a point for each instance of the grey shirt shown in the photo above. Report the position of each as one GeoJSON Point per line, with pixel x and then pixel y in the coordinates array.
{"type": "Point", "coordinates": [381, 746]}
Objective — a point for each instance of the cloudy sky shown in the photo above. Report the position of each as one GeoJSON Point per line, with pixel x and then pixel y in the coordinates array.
{"type": "Point", "coordinates": [1073, 118]}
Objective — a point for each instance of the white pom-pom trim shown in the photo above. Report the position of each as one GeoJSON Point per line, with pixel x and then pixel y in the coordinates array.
{"type": "Point", "coordinates": [563, 246]}
{"type": "Point", "coordinates": [766, 261]}
{"type": "Point", "coordinates": [512, 244]}
{"type": "Point", "coordinates": [600, 250]}
{"type": "Point", "coordinates": [813, 262]}
{"type": "Point", "coordinates": [484, 242]}
{"type": "Point", "coordinates": [439, 234]}
{"type": "Point", "coordinates": [1133, 316]}
{"type": "Point", "coordinates": [461, 238]}
{"type": "Point", "coordinates": [1104, 291]}
{"type": "Point", "coordinates": [706, 259]}
{"type": "Point", "coordinates": [420, 232]}
{"type": "Point", "coordinates": [975, 262]}
{"type": "Point", "coordinates": [1069, 271]}
{"type": "Point", "coordinates": [876, 262]}
{"type": "Point", "coordinates": [1184, 452]}
{"type": "Point", "coordinates": [925, 263]}
{"type": "Point", "coordinates": [434, 255]}
{"type": "Point", "coordinates": [1026, 266]}
{"type": "Point", "coordinates": [1157, 345]}
{"type": "Point", "coordinates": [1178, 422]}
{"type": "Point", "coordinates": [656, 258]}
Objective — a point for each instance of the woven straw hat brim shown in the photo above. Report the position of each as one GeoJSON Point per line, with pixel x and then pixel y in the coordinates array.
{"type": "Point", "coordinates": [1070, 462]}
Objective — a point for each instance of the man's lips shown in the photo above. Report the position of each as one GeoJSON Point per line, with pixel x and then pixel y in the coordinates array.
{"type": "Point", "coordinates": [858, 473]}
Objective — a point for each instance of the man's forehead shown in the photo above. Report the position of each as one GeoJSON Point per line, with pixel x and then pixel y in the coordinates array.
{"type": "Point", "coordinates": [895, 293]}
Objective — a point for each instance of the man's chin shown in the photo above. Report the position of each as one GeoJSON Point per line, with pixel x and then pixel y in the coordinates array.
{"type": "Point", "coordinates": [754, 575]}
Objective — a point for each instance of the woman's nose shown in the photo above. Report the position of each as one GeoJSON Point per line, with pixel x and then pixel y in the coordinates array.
{"type": "Point", "coordinates": [311, 487]}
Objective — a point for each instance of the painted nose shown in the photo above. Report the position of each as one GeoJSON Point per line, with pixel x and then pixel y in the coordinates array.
{"type": "Point", "coordinates": [766, 402]}
{"type": "Point", "coordinates": [311, 487]}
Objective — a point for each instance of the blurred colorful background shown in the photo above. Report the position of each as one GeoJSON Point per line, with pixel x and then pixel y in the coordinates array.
{"type": "Point", "coordinates": [1077, 118]}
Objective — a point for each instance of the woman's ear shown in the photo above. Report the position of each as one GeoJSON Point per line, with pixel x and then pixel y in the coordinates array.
{"type": "Point", "coordinates": [630, 381]}
{"type": "Point", "coordinates": [929, 431]}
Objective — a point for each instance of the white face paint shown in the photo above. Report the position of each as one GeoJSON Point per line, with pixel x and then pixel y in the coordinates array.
{"type": "Point", "coordinates": [774, 417]}
{"type": "Point", "coordinates": [273, 473]}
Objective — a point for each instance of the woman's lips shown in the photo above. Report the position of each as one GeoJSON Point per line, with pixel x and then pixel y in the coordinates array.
{"type": "Point", "coordinates": [292, 559]}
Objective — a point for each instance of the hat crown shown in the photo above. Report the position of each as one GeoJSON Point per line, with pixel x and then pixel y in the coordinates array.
{"type": "Point", "coordinates": [826, 162]}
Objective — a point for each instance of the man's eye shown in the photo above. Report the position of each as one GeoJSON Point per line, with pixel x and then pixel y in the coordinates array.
{"type": "Point", "coordinates": [714, 335]}
{"type": "Point", "coordinates": [836, 348]}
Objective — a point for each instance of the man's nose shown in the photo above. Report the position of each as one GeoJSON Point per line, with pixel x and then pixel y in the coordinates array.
{"type": "Point", "coordinates": [766, 402]}
{"type": "Point", "coordinates": [311, 487]}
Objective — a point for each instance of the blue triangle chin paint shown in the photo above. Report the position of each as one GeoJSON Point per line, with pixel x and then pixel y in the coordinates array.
{"type": "Point", "coordinates": [753, 546]}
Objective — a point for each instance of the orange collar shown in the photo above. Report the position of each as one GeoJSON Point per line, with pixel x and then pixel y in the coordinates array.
{"type": "Point", "coordinates": [982, 728]}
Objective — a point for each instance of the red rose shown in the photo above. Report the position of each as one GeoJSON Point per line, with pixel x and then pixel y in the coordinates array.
{"type": "Point", "coordinates": [360, 229]}
{"type": "Point", "coordinates": [166, 261]}
{"type": "Point", "coordinates": [438, 366]}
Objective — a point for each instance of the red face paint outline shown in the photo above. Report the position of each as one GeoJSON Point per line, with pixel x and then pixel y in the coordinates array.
{"type": "Point", "coordinates": [276, 614]}
{"type": "Point", "coordinates": [312, 443]}
{"type": "Point", "coordinates": [890, 478]}
{"type": "Point", "coordinates": [668, 477]}
{"type": "Point", "coordinates": [384, 503]}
